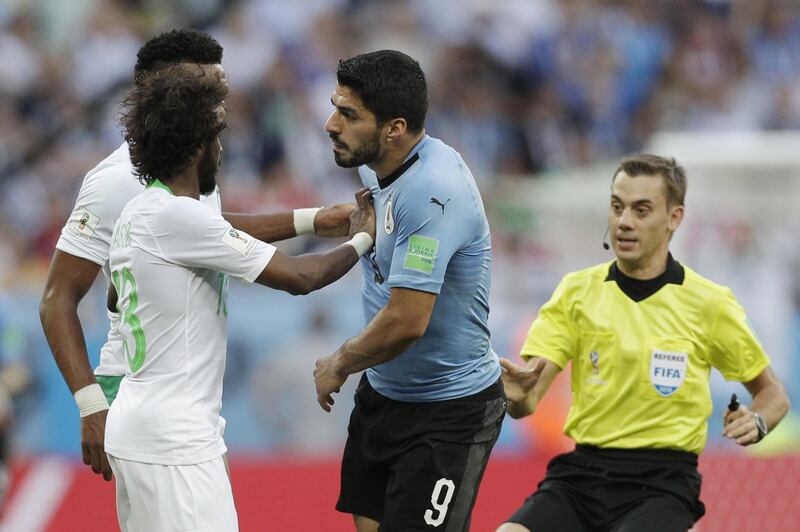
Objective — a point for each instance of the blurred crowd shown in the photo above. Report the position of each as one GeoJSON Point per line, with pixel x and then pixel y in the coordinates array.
{"type": "Point", "coordinates": [520, 87]}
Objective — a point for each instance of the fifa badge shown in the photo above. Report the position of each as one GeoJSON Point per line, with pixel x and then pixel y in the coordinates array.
{"type": "Point", "coordinates": [668, 371]}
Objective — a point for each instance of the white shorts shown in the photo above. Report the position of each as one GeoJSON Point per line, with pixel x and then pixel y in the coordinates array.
{"type": "Point", "coordinates": [164, 498]}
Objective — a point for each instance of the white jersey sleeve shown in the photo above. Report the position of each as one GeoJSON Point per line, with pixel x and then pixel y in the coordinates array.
{"type": "Point", "coordinates": [192, 235]}
{"type": "Point", "coordinates": [104, 192]}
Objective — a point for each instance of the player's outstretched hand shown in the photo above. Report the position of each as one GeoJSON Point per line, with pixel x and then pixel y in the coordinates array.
{"type": "Point", "coordinates": [93, 429]}
{"type": "Point", "coordinates": [334, 221]}
{"type": "Point", "coordinates": [518, 381]}
{"type": "Point", "coordinates": [740, 426]}
{"type": "Point", "coordinates": [328, 381]}
{"type": "Point", "coordinates": [363, 218]}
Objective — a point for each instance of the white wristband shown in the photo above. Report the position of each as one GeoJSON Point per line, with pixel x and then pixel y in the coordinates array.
{"type": "Point", "coordinates": [91, 399]}
{"type": "Point", "coordinates": [304, 220]}
{"type": "Point", "coordinates": [361, 242]}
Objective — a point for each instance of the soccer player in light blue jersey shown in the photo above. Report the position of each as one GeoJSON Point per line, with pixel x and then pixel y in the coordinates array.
{"type": "Point", "coordinates": [430, 405]}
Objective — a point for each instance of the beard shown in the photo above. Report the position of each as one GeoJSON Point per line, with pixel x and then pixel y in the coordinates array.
{"type": "Point", "coordinates": [207, 173]}
{"type": "Point", "coordinates": [364, 154]}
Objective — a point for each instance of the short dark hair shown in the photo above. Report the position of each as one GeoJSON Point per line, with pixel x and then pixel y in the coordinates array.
{"type": "Point", "coordinates": [176, 46]}
{"type": "Point", "coordinates": [646, 164]}
{"type": "Point", "coordinates": [168, 118]}
{"type": "Point", "coordinates": [390, 84]}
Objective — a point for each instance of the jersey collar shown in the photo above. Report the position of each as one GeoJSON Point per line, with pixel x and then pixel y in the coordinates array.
{"type": "Point", "coordinates": [638, 289]}
{"type": "Point", "coordinates": [157, 183]}
{"type": "Point", "coordinates": [410, 160]}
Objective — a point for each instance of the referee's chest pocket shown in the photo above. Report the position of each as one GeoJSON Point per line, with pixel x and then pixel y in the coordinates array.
{"type": "Point", "coordinates": [670, 371]}
{"type": "Point", "coordinates": [594, 365]}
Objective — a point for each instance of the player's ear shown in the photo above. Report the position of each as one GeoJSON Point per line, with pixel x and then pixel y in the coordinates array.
{"type": "Point", "coordinates": [199, 154]}
{"type": "Point", "coordinates": [675, 217]}
{"type": "Point", "coordinates": [395, 129]}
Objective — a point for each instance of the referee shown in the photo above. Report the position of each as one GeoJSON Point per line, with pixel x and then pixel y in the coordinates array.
{"type": "Point", "coordinates": [642, 333]}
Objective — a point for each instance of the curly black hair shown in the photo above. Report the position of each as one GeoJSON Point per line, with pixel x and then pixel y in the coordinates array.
{"type": "Point", "coordinates": [176, 46]}
{"type": "Point", "coordinates": [391, 85]}
{"type": "Point", "coordinates": [169, 117]}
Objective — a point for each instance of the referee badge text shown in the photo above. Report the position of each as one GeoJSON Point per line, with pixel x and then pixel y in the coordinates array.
{"type": "Point", "coordinates": [668, 371]}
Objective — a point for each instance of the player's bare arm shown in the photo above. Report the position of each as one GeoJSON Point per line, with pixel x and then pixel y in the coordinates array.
{"type": "Point", "coordinates": [769, 401]}
{"type": "Point", "coordinates": [68, 281]}
{"type": "Point", "coordinates": [394, 329]}
{"type": "Point", "coordinates": [306, 273]}
{"type": "Point", "coordinates": [526, 385]}
{"type": "Point", "coordinates": [329, 222]}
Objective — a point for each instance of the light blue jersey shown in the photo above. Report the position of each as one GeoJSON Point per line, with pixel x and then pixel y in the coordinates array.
{"type": "Point", "coordinates": [433, 236]}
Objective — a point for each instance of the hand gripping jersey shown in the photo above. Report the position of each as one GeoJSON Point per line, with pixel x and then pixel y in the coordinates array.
{"type": "Point", "coordinates": [169, 260]}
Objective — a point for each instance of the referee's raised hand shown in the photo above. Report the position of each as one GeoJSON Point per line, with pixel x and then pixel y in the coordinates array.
{"type": "Point", "coordinates": [518, 382]}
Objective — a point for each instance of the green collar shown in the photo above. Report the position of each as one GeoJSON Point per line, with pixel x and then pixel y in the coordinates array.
{"type": "Point", "coordinates": [157, 183]}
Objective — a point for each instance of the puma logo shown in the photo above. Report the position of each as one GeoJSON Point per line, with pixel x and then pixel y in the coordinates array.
{"type": "Point", "coordinates": [439, 203]}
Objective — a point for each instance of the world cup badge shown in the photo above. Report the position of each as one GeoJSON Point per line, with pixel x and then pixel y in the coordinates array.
{"type": "Point", "coordinates": [594, 378]}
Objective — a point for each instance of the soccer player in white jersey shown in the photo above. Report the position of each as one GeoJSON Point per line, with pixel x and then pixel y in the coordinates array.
{"type": "Point", "coordinates": [84, 245]}
{"type": "Point", "coordinates": [168, 254]}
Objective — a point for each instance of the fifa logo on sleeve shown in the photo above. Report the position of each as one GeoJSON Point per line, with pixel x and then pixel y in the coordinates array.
{"type": "Point", "coordinates": [83, 221]}
{"type": "Point", "coordinates": [240, 242]}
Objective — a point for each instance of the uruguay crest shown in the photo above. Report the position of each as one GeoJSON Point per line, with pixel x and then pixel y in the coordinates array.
{"type": "Point", "coordinates": [388, 220]}
{"type": "Point", "coordinates": [668, 371]}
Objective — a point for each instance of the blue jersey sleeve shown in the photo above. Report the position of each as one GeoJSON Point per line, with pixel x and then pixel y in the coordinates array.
{"type": "Point", "coordinates": [430, 230]}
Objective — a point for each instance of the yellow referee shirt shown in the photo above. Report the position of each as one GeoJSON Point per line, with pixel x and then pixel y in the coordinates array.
{"type": "Point", "coordinates": [641, 354]}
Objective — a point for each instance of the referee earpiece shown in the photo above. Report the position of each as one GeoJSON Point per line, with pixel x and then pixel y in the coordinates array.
{"type": "Point", "coordinates": [605, 236]}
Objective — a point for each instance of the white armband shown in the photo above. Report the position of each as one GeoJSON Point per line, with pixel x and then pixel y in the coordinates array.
{"type": "Point", "coordinates": [91, 399]}
{"type": "Point", "coordinates": [361, 242]}
{"type": "Point", "coordinates": [304, 220]}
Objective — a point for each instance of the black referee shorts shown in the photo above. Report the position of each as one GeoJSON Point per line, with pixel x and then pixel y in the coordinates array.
{"type": "Point", "coordinates": [417, 466]}
{"type": "Point", "coordinates": [620, 490]}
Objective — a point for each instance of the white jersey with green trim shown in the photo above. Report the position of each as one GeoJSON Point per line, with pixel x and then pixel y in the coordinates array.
{"type": "Point", "coordinates": [105, 190]}
{"type": "Point", "coordinates": [170, 258]}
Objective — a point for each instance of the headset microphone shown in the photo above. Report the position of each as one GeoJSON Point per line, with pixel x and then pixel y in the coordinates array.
{"type": "Point", "coordinates": [605, 236]}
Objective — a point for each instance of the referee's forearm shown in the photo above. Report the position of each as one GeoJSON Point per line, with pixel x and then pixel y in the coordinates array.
{"type": "Point", "coordinates": [772, 403]}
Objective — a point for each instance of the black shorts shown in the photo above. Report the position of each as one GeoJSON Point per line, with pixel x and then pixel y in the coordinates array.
{"type": "Point", "coordinates": [593, 489]}
{"type": "Point", "coordinates": [417, 466]}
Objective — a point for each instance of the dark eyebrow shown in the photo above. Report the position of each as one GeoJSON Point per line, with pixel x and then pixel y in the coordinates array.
{"type": "Point", "coordinates": [345, 108]}
{"type": "Point", "coordinates": [637, 203]}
